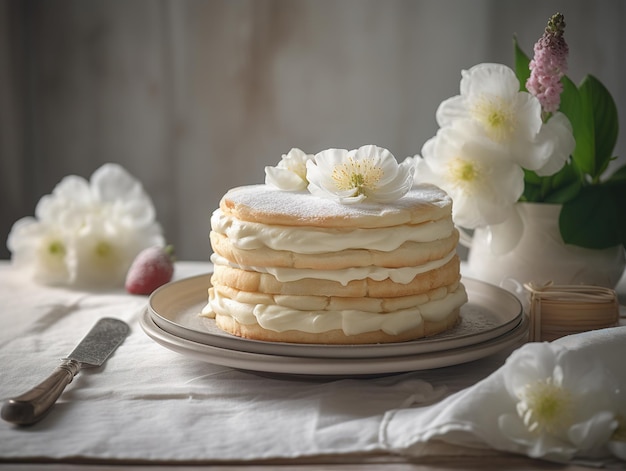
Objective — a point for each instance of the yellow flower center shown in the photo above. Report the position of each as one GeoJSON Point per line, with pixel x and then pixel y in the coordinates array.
{"type": "Point", "coordinates": [56, 249]}
{"type": "Point", "coordinates": [545, 406]}
{"type": "Point", "coordinates": [620, 431]}
{"type": "Point", "coordinates": [103, 249]}
{"type": "Point", "coordinates": [496, 116]}
{"type": "Point", "coordinates": [465, 174]}
{"type": "Point", "coordinates": [360, 175]}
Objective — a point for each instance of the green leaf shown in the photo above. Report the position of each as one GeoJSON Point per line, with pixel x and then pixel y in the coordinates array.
{"type": "Point", "coordinates": [605, 122]}
{"type": "Point", "coordinates": [617, 190]}
{"type": "Point", "coordinates": [566, 184]}
{"type": "Point", "coordinates": [594, 219]}
{"type": "Point", "coordinates": [534, 187]}
{"type": "Point", "coordinates": [605, 165]}
{"type": "Point", "coordinates": [522, 69]}
{"type": "Point", "coordinates": [619, 176]}
{"type": "Point", "coordinates": [576, 105]}
{"type": "Point", "coordinates": [564, 193]}
{"type": "Point", "coordinates": [558, 188]}
{"type": "Point", "coordinates": [532, 193]}
{"type": "Point", "coordinates": [531, 177]}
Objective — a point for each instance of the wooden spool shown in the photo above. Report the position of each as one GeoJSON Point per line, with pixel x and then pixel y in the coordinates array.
{"type": "Point", "coordinates": [559, 310]}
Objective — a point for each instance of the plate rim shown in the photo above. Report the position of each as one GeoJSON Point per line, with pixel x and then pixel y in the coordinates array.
{"type": "Point", "coordinates": [169, 324]}
{"type": "Point", "coordinates": [314, 366]}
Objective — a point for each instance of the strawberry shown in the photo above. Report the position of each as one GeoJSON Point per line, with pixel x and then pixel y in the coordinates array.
{"type": "Point", "coordinates": [153, 267]}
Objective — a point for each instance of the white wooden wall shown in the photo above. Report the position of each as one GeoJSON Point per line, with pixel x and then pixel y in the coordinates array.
{"type": "Point", "coordinates": [194, 97]}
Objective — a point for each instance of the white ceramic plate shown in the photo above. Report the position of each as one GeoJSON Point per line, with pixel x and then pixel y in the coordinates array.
{"type": "Point", "coordinates": [491, 321]}
{"type": "Point", "coordinates": [315, 366]}
{"type": "Point", "coordinates": [490, 313]}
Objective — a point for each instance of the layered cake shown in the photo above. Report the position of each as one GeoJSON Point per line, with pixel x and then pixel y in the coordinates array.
{"type": "Point", "coordinates": [291, 266]}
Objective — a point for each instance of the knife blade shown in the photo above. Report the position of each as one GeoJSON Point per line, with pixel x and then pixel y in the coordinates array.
{"type": "Point", "coordinates": [99, 343]}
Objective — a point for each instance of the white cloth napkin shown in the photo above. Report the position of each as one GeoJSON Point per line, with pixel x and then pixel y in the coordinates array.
{"type": "Point", "coordinates": [470, 416]}
{"type": "Point", "coordinates": [149, 403]}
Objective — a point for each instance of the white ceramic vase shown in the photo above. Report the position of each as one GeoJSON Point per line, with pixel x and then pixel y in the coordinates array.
{"type": "Point", "coordinates": [529, 248]}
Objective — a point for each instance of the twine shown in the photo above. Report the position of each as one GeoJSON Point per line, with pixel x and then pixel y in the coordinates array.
{"type": "Point", "coordinates": [559, 310]}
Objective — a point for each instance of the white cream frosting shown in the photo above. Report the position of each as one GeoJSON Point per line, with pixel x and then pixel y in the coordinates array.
{"type": "Point", "coordinates": [351, 322]}
{"type": "Point", "coordinates": [309, 240]}
{"type": "Point", "coordinates": [403, 275]}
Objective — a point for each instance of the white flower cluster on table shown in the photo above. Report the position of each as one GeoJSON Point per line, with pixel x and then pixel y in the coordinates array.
{"type": "Point", "coordinates": [562, 405]}
{"type": "Point", "coordinates": [86, 233]}
{"type": "Point", "coordinates": [488, 134]}
{"type": "Point", "coordinates": [368, 173]}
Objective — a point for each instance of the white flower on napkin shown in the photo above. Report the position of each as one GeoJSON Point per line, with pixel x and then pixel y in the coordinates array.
{"type": "Point", "coordinates": [564, 405]}
{"type": "Point", "coordinates": [290, 173]}
{"type": "Point", "coordinates": [369, 172]}
{"type": "Point", "coordinates": [86, 233]}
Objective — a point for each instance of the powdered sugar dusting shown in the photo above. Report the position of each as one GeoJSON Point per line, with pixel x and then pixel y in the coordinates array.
{"type": "Point", "coordinates": [298, 208]}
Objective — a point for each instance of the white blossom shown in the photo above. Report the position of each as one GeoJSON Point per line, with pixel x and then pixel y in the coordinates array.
{"type": "Point", "coordinates": [86, 233]}
{"type": "Point", "coordinates": [558, 138]}
{"type": "Point", "coordinates": [481, 181]}
{"type": "Point", "coordinates": [349, 177]}
{"type": "Point", "coordinates": [290, 173]}
{"type": "Point", "coordinates": [40, 250]}
{"type": "Point", "coordinates": [491, 103]}
{"type": "Point", "coordinates": [563, 405]}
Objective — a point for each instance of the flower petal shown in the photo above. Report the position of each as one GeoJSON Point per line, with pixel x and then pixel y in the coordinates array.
{"type": "Point", "coordinates": [618, 449]}
{"type": "Point", "coordinates": [350, 177]}
{"type": "Point", "coordinates": [529, 363]}
{"type": "Point", "coordinates": [284, 179]}
{"type": "Point", "coordinates": [112, 182]}
{"type": "Point", "coordinates": [594, 433]}
{"type": "Point", "coordinates": [39, 249]}
{"type": "Point", "coordinates": [290, 173]}
{"type": "Point", "coordinates": [452, 109]}
{"type": "Point", "coordinates": [490, 79]}
{"type": "Point", "coordinates": [477, 174]}
{"type": "Point", "coordinates": [490, 99]}
{"type": "Point", "coordinates": [558, 134]}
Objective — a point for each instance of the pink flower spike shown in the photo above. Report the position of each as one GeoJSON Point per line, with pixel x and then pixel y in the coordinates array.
{"type": "Point", "coordinates": [549, 65]}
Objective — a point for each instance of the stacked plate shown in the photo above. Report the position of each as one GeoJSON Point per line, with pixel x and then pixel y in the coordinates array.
{"type": "Point", "coordinates": [491, 321]}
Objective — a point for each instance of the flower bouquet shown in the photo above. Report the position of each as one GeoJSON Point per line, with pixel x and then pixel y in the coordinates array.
{"type": "Point", "coordinates": [593, 213]}
{"type": "Point", "coordinates": [530, 135]}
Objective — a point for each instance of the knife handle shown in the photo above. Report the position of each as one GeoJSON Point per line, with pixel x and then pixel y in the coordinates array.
{"type": "Point", "coordinates": [33, 405]}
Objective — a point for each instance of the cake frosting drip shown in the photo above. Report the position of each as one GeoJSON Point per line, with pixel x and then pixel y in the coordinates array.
{"type": "Point", "coordinates": [280, 318]}
{"type": "Point", "coordinates": [309, 240]}
{"type": "Point", "coordinates": [344, 276]}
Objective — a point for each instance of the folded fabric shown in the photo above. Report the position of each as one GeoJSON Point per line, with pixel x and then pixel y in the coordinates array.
{"type": "Point", "coordinates": [561, 401]}
{"type": "Point", "coordinates": [149, 403]}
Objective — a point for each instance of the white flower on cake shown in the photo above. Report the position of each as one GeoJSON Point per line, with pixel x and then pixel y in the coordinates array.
{"type": "Point", "coordinates": [491, 104]}
{"type": "Point", "coordinates": [349, 177]}
{"type": "Point", "coordinates": [86, 232]}
{"type": "Point", "coordinates": [290, 173]}
{"type": "Point", "coordinates": [483, 184]}
{"type": "Point", "coordinates": [564, 405]}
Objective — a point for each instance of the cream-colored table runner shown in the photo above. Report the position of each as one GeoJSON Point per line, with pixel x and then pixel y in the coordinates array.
{"type": "Point", "coordinates": [148, 403]}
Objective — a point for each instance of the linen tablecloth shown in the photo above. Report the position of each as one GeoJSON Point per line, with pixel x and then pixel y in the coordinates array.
{"type": "Point", "coordinates": [149, 403]}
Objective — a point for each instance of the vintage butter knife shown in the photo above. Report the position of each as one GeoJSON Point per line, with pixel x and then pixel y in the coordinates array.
{"type": "Point", "coordinates": [93, 350]}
